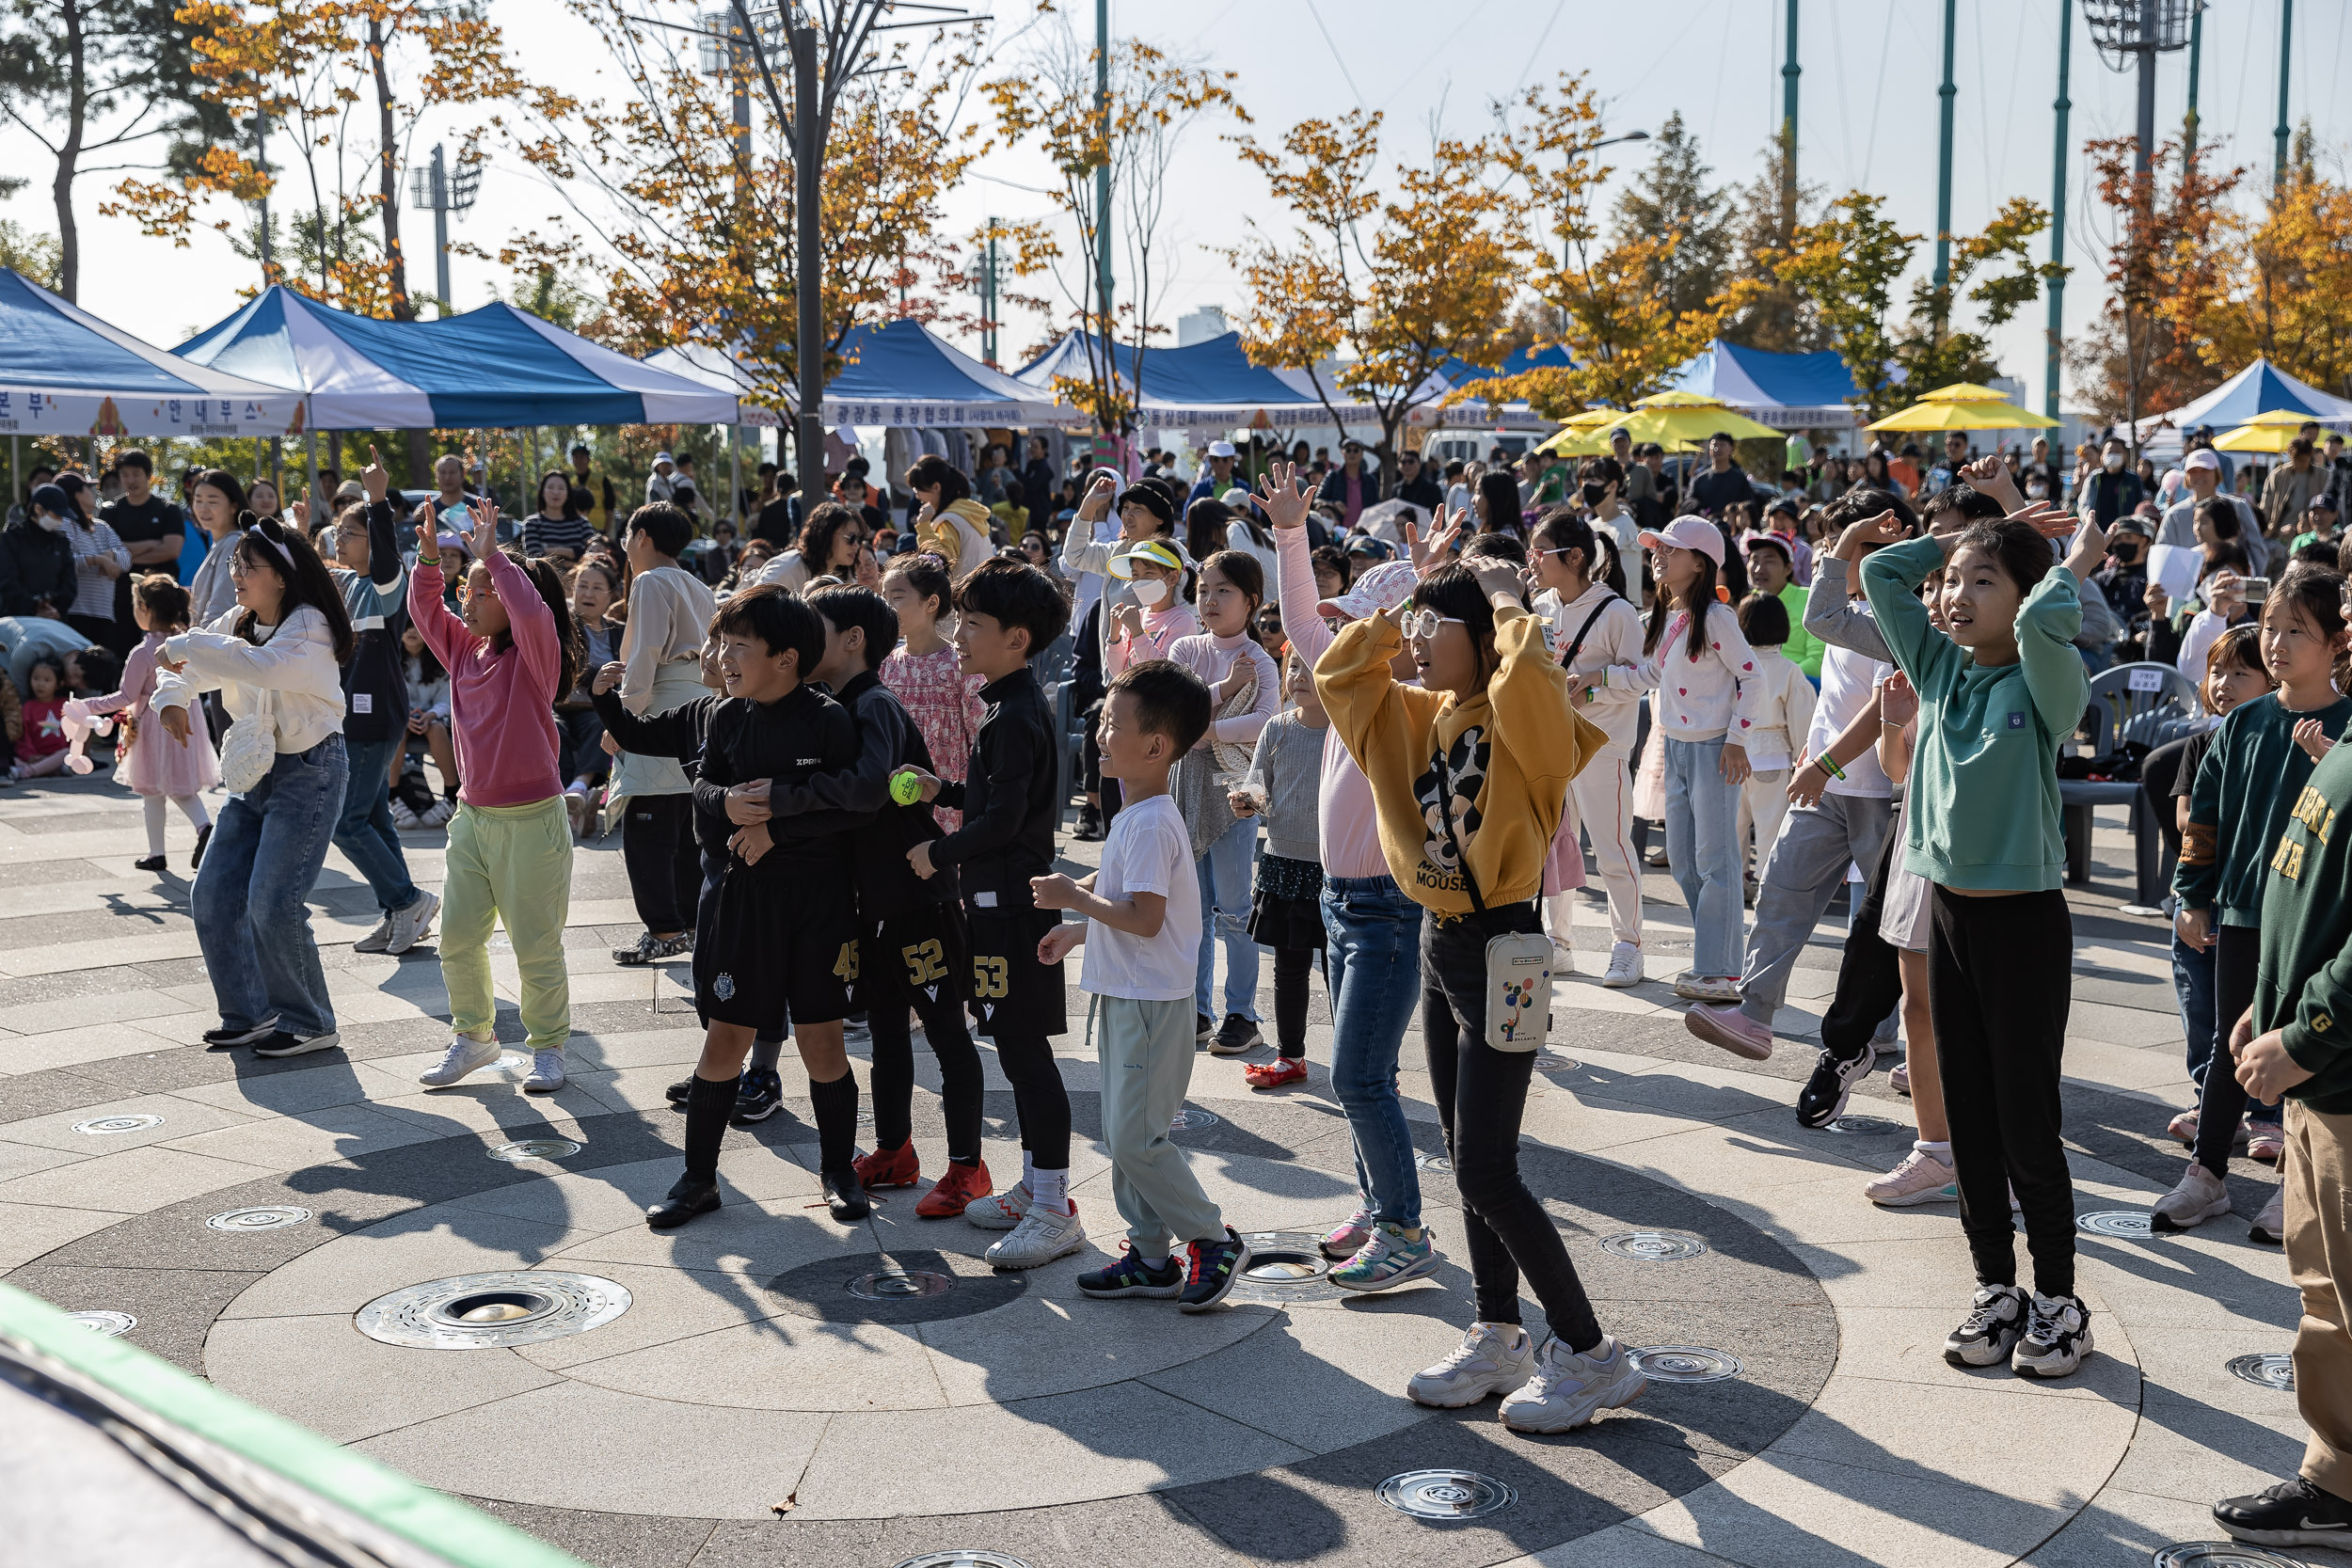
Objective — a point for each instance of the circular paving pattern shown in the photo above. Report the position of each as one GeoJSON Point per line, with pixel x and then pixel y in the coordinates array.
{"type": "Point", "coordinates": [492, 1311]}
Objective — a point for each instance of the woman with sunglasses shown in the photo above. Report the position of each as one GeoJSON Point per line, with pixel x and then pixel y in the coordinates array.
{"type": "Point", "coordinates": [277, 660]}
{"type": "Point", "coordinates": [1469, 774]}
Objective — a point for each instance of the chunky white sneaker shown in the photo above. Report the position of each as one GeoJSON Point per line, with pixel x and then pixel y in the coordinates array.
{"type": "Point", "coordinates": [1562, 958]}
{"type": "Point", "coordinates": [1708, 988]}
{"type": "Point", "coordinates": [1568, 1391]}
{"type": "Point", "coordinates": [999, 1211]}
{"type": "Point", "coordinates": [1488, 1361]}
{"type": "Point", "coordinates": [1989, 1331]}
{"type": "Point", "coordinates": [1920, 1178]}
{"type": "Point", "coordinates": [2058, 1337]}
{"type": "Point", "coordinates": [546, 1073]}
{"type": "Point", "coordinates": [1625, 967]}
{"type": "Point", "coordinates": [377, 940]}
{"type": "Point", "coordinates": [465, 1054]}
{"type": "Point", "coordinates": [2271, 1224]}
{"type": "Point", "coordinates": [2200, 1197]}
{"type": "Point", "coordinates": [1040, 1238]}
{"type": "Point", "coordinates": [411, 925]}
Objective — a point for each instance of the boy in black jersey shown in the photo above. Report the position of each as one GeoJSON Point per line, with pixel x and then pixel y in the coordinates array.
{"type": "Point", "coordinates": [781, 921]}
{"type": "Point", "coordinates": [911, 949]}
{"type": "Point", "coordinates": [1008, 610]}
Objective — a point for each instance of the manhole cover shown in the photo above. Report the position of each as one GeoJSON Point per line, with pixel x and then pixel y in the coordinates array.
{"type": "Point", "coordinates": [113, 1325]}
{"type": "Point", "coordinates": [1653, 1246]}
{"type": "Point", "coordinates": [1446, 1495]}
{"type": "Point", "coordinates": [866, 1118]}
{"type": "Point", "coordinates": [1555, 1061]}
{"type": "Point", "coordinates": [964, 1557]}
{"type": "Point", "coordinates": [1863, 1125]}
{"type": "Point", "coordinates": [2119, 1222]}
{"type": "Point", "coordinates": [1687, 1364]}
{"type": "Point", "coordinates": [2271, 1369]}
{"type": "Point", "coordinates": [2221, 1554]}
{"type": "Point", "coordinates": [274, 1216]}
{"type": "Point", "coordinates": [533, 1149]}
{"type": "Point", "coordinates": [1434, 1161]}
{"type": "Point", "coordinates": [1191, 1120]}
{"type": "Point", "coordinates": [1286, 1265]}
{"type": "Point", "coordinates": [480, 1311]}
{"type": "Point", "coordinates": [514, 1061]}
{"type": "Point", "coordinates": [895, 1285]}
{"type": "Point", "coordinates": [101, 1126]}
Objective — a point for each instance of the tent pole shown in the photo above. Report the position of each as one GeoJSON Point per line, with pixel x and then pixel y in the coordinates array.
{"type": "Point", "coordinates": [310, 468]}
{"type": "Point", "coordinates": [16, 469]}
{"type": "Point", "coordinates": [735, 476]}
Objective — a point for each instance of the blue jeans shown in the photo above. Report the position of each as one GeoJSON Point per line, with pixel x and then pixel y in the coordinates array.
{"type": "Point", "coordinates": [2192, 982]}
{"type": "Point", "coordinates": [1224, 872]}
{"type": "Point", "coordinates": [251, 899]}
{"type": "Point", "coordinates": [1703, 843]}
{"type": "Point", "coordinates": [364, 831]}
{"type": "Point", "coordinates": [1373, 954]}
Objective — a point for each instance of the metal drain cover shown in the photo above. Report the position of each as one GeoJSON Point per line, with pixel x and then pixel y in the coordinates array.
{"type": "Point", "coordinates": [273, 1216]}
{"type": "Point", "coordinates": [102, 1126]}
{"type": "Point", "coordinates": [1687, 1364]}
{"type": "Point", "coordinates": [483, 1311]}
{"type": "Point", "coordinates": [2133, 1222]}
{"type": "Point", "coordinates": [897, 1285]}
{"type": "Point", "coordinates": [1286, 1265]}
{"type": "Point", "coordinates": [2221, 1554]}
{"type": "Point", "coordinates": [533, 1149]}
{"type": "Point", "coordinates": [113, 1325]}
{"type": "Point", "coordinates": [514, 1061]}
{"type": "Point", "coordinates": [1446, 1495]}
{"type": "Point", "coordinates": [964, 1557]}
{"type": "Point", "coordinates": [1863, 1125]}
{"type": "Point", "coordinates": [2271, 1369]}
{"type": "Point", "coordinates": [1555, 1061]}
{"type": "Point", "coordinates": [1191, 1120]}
{"type": "Point", "coordinates": [1434, 1161]}
{"type": "Point", "coordinates": [1653, 1246]}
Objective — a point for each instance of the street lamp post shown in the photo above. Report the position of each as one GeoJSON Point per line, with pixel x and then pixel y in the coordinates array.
{"type": "Point", "coordinates": [1591, 148]}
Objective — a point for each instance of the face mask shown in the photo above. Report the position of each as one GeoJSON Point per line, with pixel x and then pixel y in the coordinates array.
{"type": "Point", "coordinates": [2114, 461]}
{"type": "Point", "coordinates": [1593, 493]}
{"type": "Point", "coordinates": [49, 520]}
{"type": "Point", "coordinates": [1150, 592]}
{"type": "Point", "coordinates": [2036, 492]}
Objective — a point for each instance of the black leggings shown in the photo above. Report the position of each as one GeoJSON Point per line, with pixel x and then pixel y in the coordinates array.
{"type": "Point", "coordinates": [1999, 977]}
{"type": "Point", "coordinates": [1869, 974]}
{"type": "Point", "coordinates": [1292, 966]}
{"type": "Point", "coordinates": [665, 872]}
{"type": "Point", "coordinates": [892, 1074]}
{"type": "Point", "coordinates": [2237, 952]}
{"type": "Point", "coordinates": [1038, 1097]}
{"type": "Point", "coordinates": [1482, 1096]}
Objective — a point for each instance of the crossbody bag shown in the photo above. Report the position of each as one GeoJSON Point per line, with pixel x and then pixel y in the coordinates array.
{"type": "Point", "coordinates": [1518, 963]}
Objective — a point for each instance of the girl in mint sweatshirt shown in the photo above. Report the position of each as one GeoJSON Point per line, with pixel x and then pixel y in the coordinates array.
{"type": "Point", "coordinates": [1995, 696]}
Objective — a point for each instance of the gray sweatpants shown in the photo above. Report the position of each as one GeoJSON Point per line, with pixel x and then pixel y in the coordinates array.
{"type": "Point", "coordinates": [1807, 865]}
{"type": "Point", "coordinates": [1146, 1049]}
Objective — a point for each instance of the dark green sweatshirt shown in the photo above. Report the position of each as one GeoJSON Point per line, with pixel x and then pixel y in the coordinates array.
{"type": "Point", "coordinates": [2304, 987]}
{"type": "Point", "coordinates": [2252, 773]}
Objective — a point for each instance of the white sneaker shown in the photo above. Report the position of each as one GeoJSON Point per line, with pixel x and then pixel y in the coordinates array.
{"type": "Point", "coordinates": [1562, 958]}
{"type": "Point", "coordinates": [1485, 1362]}
{"type": "Point", "coordinates": [411, 925]}
{"type": "Point", "coordinates": [2200, 1196]}
{"type": "Point", "coordinates": [437, 815]}
{"type": "Point", "coordinates": [465, 1054]}
{"type": "Point", "coordinates": [1625, 967]}
{"type": "Point", "coordinates": [1920, 1178]}
{"type": "Point", "coordinates": [1040, 1238]}
{"type": "Point", "coordinates": [2271, 1224]}
{"type": "Point", "coordinates": [999, 1211]}
{"type": "Point", "coordinates": [546, 1073]}
{"type": "Point", "coordinates": [1708, 988]}
{"type": "Point", "coordinates": [402, 817]}
{"type": "Point", "coordinates": [376, 941]}
{"type": "Point", "coordinates": [1900, 1080]}
{"type": "Point", "coordinates": [1568, 1389]}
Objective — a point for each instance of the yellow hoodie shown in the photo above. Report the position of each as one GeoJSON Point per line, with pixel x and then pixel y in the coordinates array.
{"type": "Point", "coordinates": [1510, 755]}
{"type": "Point", "coordinates": [959, 536]}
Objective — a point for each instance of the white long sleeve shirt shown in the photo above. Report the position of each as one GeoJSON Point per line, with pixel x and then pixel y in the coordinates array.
{"type": "Point", "coordinates": [1786, 704]}
{"type": "Point", "coordinates": [294, 667]}
{"type": "Point", "coordinates": [1714, 696]}
{"type": "Point", "coordinates": [1610, 659]}
{"type": "Point", "coordinates": [1213, 658]}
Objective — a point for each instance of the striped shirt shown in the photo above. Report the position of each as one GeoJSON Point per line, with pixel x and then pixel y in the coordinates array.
{"type": "Point", "coordinates": [542, 533]}
{"type": "Point", "coordinates": [93, 590]}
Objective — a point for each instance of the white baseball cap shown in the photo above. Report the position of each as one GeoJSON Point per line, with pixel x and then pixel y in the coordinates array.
{"type": "Point", "coordinates": [2204, 457]}
{"type": "Point", "coordinates": [662, 457]}
{"type": "Point", "coordinates": [1689, 533]}
{"type": "Point", "coordinates": [1220, 448]}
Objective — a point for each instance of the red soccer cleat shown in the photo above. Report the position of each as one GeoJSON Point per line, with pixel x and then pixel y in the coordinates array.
{"type": "Point", "coordinates": [959, 1186]}
{"type": "Point", "coordinates": [1276, 1074]}
{"type": "Point", "coordinates": [889, 1168]}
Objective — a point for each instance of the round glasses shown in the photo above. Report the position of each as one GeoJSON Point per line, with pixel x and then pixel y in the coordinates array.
{"type": "Point", "coordinates": [1423, 623]}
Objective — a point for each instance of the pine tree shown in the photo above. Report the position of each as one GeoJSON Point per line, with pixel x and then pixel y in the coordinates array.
{"type": "Point", "coordinates": [1673, 196]}
{"type": "Point", "coordinates": [1772, 207]}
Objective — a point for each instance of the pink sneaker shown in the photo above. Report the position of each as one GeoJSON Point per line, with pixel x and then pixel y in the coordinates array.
{"type": "Point", "coordinates": [1730, 1028]}
{"type": "Point", "coordinates": [2265, 1141]}
{"type": "Point", "coordinates": [2183, 1126]}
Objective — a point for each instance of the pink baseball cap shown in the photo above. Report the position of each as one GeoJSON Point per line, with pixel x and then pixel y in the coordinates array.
{"type": "Point", "coordinates": [1384, 587]}
{"type": "Point", "coordinates": [1689, 533]}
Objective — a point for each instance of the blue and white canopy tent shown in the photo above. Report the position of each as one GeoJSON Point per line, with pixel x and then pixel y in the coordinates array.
{"type": "Point", "coordinates": [65, 372]}
{"type": "Point", "coordinates": [903, 375]}
{"type": "Point", "coordinates": [2260, 387]}
{"type": "Point", "coordinates": [1206, 386]}
{"type": "Point", "coordinates": [700, 363]}
{"type": "Point", "coordinates": [1787, 391]}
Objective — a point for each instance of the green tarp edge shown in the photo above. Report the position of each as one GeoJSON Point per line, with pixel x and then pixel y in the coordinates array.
{"type": "Point", "coordinates": [374, 1492]}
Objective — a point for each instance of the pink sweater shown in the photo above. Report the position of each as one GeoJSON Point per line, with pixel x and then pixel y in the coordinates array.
{"type": "Point", "coordinates": [501, 705]}
{"type": "Point", "coordinates": [1213, 658]}
{"type": "Point", "coordinates": [1347, 827]}
{"type": "Point", "coordinates": [1161, 629]}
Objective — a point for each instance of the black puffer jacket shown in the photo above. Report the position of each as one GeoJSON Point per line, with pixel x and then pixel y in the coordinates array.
{"type": "Point", "coordinates": [34, 565]}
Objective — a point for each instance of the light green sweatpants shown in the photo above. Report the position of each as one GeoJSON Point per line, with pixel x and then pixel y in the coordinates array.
{"type": "Point", "coordinates": [511, 864]}
{"type": "Point", "coordinates": [1146, 1049]}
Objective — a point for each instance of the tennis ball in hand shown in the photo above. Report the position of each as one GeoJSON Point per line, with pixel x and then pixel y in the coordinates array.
{"type": "Point", "coordinates": [905, 788]}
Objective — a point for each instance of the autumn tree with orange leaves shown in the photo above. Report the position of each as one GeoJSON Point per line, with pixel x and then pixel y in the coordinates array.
{"type": "Point", "coordinates": [2287, 277]}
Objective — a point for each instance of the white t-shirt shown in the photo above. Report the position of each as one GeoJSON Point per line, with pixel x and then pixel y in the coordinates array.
{"type": "Point", "coordinates": [1847, 681]}
{"type": "Point", "coordinates": [1148, 851]}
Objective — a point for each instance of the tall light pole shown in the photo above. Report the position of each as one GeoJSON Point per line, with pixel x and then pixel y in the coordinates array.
{"type": "Point", "coordinates": [1790, 71]}
{"type": "Point", "coordinates": [2130, 35]}
{"type": "Point", "coordinates": [987, 298]}
{"type": "Point", "coordinates": [2286, 56]}
{"type": "Point", "coordinates": [1102, 172]}
{"type": "Point", "coordinates": [1943, 157]}
{"type": "Point", "coordinates": [2055, 336]}
{"type": "Point", "coordinates": [435, 189]}
{"type": "Point", "coordinates": [2195, 58]}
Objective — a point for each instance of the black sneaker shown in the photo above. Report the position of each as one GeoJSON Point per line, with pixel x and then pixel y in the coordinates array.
{"type": "Point", "coordinates": [1215, 1265]}
{"type": "Point", "coordinates": [196, 856]}
{"type": "Point", "coordinates": [1235, 1036]}
{"type": "Point", "coordinates": [1984, 1338]}
{"type": "Point", "coordinates": [686, 1200]}
{"type": "Point", "coordinates": [1090, 829]}
{"type": "Point", "coordinates": [2292, 1513]}
{"type": "Point", "coordinates": [2058, 1337]}
{"type": "Point", "coordinates": [845, 1196]}
{"type": "Point", "coordinates": [651, 949]}
{"type": "Point", "coordinates": [223, 1038]}
{"type": "Point", "coordinates": [1132, 1276]}
{"type": "Point", "coordinates": [683, 1090]}
{"type": "Point", "coordinates": [757, 1095]}
{"type": "Point", "coordinates": [1203, 1028]}
{"type": "Point", "coordinates": [280, 1043]}
{"type": "Point", "coordinates": [153, 862]}
{"type": "Point", "coordinates": [1823, 1098]}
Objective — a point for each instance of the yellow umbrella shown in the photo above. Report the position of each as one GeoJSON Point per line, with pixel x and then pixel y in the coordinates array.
{"type": "Point", "coordinates": [1964, 415]}
{"type": "Point", "coordinates": [1670, 418]}
{"type": "Point", "coordinates": [1964, 391]}
{"type": "Point", "coordinates": [1583, 434]}
{"type": "Point", "coordinates": [2273, 432]}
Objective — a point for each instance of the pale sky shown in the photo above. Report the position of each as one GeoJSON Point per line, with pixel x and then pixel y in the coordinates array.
{"type": "Point", "coordinates": [1867, 118]}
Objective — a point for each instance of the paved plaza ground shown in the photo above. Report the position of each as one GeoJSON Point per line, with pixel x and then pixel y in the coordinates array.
{"type": "Point", "coordinates": [1007, 1413]}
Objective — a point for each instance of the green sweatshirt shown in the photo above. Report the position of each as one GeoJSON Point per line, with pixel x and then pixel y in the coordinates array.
{"type": "Point", "coordinates": [1802, 649]}
{"type": "Point", "coordinates": [1985, 793]}
{"type": "Point", "coordinates": [2304, 986]}
{"type": "Point", "coordinates": [2237, 805]}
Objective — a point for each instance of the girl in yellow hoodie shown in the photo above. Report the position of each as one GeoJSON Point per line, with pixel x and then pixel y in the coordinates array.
{"type": "Point", "coordinates": [948, 521]}
{"type": "Point", "coordinates": [1470, 773]}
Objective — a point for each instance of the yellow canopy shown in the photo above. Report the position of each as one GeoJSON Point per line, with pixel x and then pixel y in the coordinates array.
{"type": "Point", "coordinates": [2273, 432]}
{"type": "Point", "coordinates": [1672, 418]}
{"type": "Point", "coordinates": [1586, 433]}
{"type": "Point", "coordinates": [1964, 391]}
{"type": "Point", "coordinates": [1964, 415]}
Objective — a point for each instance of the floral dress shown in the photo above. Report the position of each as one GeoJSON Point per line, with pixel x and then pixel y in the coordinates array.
{"type": "Point", "coordinates": [947, 708]}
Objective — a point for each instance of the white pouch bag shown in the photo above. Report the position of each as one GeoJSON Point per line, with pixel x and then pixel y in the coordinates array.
{"type": "Point", "coordinates": [248, 749]}
{"type": "Point", "coordinates": [1518, 963]}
